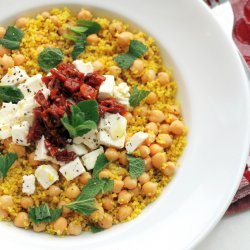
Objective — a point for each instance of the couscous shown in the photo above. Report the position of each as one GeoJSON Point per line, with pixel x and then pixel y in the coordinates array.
{"type": "Point", "coordinates": [90, 128]}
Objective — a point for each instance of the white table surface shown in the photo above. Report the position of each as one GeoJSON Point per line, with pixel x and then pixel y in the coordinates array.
{"type": "Point", "coordinates": [232, 232]}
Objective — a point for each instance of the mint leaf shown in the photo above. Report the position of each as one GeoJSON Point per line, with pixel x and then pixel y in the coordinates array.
{"type": "Point", "coordinates": [44, 214]}
{"type": "Point", "coordinates": [90, 109]}
{"type": "Point", "coordinates": [96, 229]}
{"type": "Point", "coordinates": [100, 164]}
{"type": "Point", "coordinates": [136, 50]}
{"type": "Point", "coordinates": [10, 94]}
{"type": "Point", "coordinates": [107, 185]}
{"type": "Point", "coordinates": [12, 38]}
{"type": "Point", "coordinates": [137, 96]}
{"type": "Point", "coordinates": [79, 46]}
{"type": "Point", "coordinates": [5, 163]}
{"type": "Point", "coordinates": [70, 37]}
{"type": "Point", "coordinates": [136, 166]}
{"type": "Point", "coordinates": [78, 30]}
{"type": "Point", "coordinates": [92, 26]}
{"type": "Point", "coordinates": [50, 58]}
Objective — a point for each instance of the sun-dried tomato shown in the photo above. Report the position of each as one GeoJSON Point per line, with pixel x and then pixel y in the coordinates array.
{"type": "Point", "coordinates": [88, 92]}
{"type": "Point", "coordinates": [112, 106]}
{"type": "Point", "coordinates": [65, 155]}
{"type": "Point", "coordinates": [40, 98]}
{"type": "Point", "coordinates": [72, 85]}
{"type": "Point", "coordinates": [94, 80]}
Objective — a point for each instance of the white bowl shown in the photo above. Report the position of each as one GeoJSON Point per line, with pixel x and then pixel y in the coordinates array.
{"type": "Point", "coordinates": [214, 95]}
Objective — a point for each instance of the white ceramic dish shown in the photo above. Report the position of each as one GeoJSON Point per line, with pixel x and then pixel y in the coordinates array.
{"type": "Point", "coordinates": [214, 97]}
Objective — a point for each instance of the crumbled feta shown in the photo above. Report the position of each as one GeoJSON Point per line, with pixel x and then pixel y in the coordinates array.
{"type": "Point", "coordinates": [72, 169]}
{"type": "Point", "coordinates": [91, 139]}
{"type": "Point", "coordinates": [7, 113]}
{"type": "Point", "coordinates": [107, 87]}
{"type": "Point", "coordinates": [46, 175]}
{"type": "Point", "coordinates": [14, 76]}
{"type": "Point", "coordinates": [83, 67]}
{"type": "Point", "coordinates": [135, 141]}
{"type": "Point", "coordinates": [112, 130]}
{"type": "Point", "coordinates": [5, 131]}
{"type": "Point", "coordinates": [90, 158]}
{"type": "Point", "coordinates": [31, 86]}
{"type": "Point", "coordinates": [41, 151]}
{"type": "Point", "coordinates": [121, 93]}
{"type": "Point", "coordinates": [29, 184]}
{"type": "Point", "coordinates": [78, 149]}
{"type": "Point", "coordinates": [19, 133]}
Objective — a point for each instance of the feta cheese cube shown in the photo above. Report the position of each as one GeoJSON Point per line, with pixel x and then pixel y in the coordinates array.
{"type": "Point", "coordinates": [121, 93]}
{"type": "Point", "coordinates": [29, 184]}
{"type": "Point", "coordinates": [91, 139]}
{"type": "Point", "coordinates": [83, 67]}
{"type": "Point", "coordinates": [90, 158]}
{"type": "Point", "coordinates": [72, 169]}
{"type": "Point", "coordinates": [19, 133]}
{"type": "Point", "coordinates": [78, 149]}
{"type": "Point", "coordinates": [7, 113]}
{"type": "Point", "coordinates": [14, 76]}
{"type": "Point", "coordinates": [107, 87]}
{"type": "Point", "coordinates": [112, 130]}
{"type": "Point", "coordinates": [41, 151]}
{"type": "Point", "coordinates": [135, 141]}
{"type": "Point", "coordinates": [5, 131]}
{"type": "Point", "coordinates": [46, 175]}
{"type": "Point", "coordinates": [25, 108]}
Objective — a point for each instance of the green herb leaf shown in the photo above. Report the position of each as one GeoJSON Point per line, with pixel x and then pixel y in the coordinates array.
{"type": "Point", "coordinates": [5, 163]}
{"type": "Point", "coordinates": [90, 109]}
{"type": "Point", "coordinates": [96, 229]}
{"type": "Point", "coordinates": [50, 58]}
{"type": "Point", "coordinates": [12, 38]}
{"type": "Point", "coordinates": [10, 94]}
{"type": "Point", "coordinates": [100, 164]}
{"type": "Point", "coordinates": [70, 37]}
{"type": "Point", "coordinates": [44, 214]}
{"type": "Point", "coordinates": [137, 96]}
{"type": "Point", "coordinates": [78, 29]}
{"type": "Point", "coordinates": [79, 46]}
{"type": "Point", "coordinates": [136, 50]}
{"type": "Point", "coordinates": [92, 26]}
{"type": "Point", "coordinates": [136, 166]}
{"type": "Point", "coordinates": [85, 202]}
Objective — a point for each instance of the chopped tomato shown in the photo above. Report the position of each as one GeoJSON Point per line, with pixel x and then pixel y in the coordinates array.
{"type": "Point", "coordinates": [112, 106]}
{"type": "Point", "coordinates": [88, 92]}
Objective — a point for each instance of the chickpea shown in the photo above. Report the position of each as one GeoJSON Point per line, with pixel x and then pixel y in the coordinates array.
{"type": "Point", "coordinates": [55, 166]}
{"type": "Point", "coordinates": [124, 212]}
{"type": "Point", "coordinates": [3, 214]}
{"type": "Point", "coordinates": [7, 142]}
{"type": "Point", "coordinates": [151, 98]}
{"type": "Point", "coordinates": [72, 192]}
{"type": "Point", "coordinates": [66, 211]}
{"type": "Point", "coordinates": [108, 203]}
{"type": "Point", "coordinates": [85, 177]}
{"type": "Point", "coordinates": [21, 220]}
{"type": "Point", "coordinates": [118, 185]}
{"type": "Point", "coordinates": [174, 110]}
{"type": "Point", "coordinates": [137, 66]}
{"type": "Point", "coordinates": [74, 228]}
{"type": "Point", "coordinates": [39, 49]}
{"type": "Point", "coordinates": [6, 202]}
{"type": "Point", "coordinates": [3, 51]}
{"type": "Point", "coordinates": [54, 191]}
{"type": "Point", "coordinates": [169, 169]}
{"type": "Point", "coordinates": [130, 183]}
{"type": "Point", "coordinates": [114, 70]}
{"type": "Point", "coordinates": [135, 192]}
{"type": "Point", "coordinates": [164, 128]}
{"type": "Point", "coordinates": [106, 222]}
{"type": "Point", "coordinates": [98, 66]}
{"type": "Point", "coordinates": [144, 151]}
{"type": "Point", "coordinates": [128, 117]}
{"type": "Point", "coordinates": [19, 150]}
{"type": "Point", "coordinates": [27, 202]}
{"type": "Point", "coordinates": [159, 160]}
{"type": "Point", "coordinates": [164, 140]}
{"type": "Point", "coordinates": [98, 214]}
{"type": "Point", "coordinates": [144, 178]}
{"type": "Point", "coordinates": [177, 127]}
{"type": "Point", "coordinates": [22, 22]}
{"type": "Point", "coordinates": [171, 118]}
{"type": "Point", "coordinates": [39, 227]}
{"type": "Point", "coordinates": [140, 111]}
{"type": "Point", "coordinates": [124, 197]}
{"type": "Point", "coordinates": [84, 15]}
{"type": "Point", "coordinates": [124, 38]}
{"type": "Point", "coordinates": [148, 76]}
{"type": "Point", "coordinates": [7, 62]}
{"type": "Point", "coordinates": [150, 139]}
{"type": "Point", "coordinates": [112, 154]}
{"type": "Point", "coordinates": [155, 148]}
{"type": "Point", "coordinates": [32, 161]}
{"type": "Point", "coordinates": [163, 78]}
{"type": "Point", "coordinates": [19, 59]}
{"type": "Point", "coordinates": [123, 158]}
{"type": "Point", "coordinates": [149, 188]}
{"type": "Point", "coordinates": [54, 20]}
{"type": "Point", "coordinates": [105, 174]}
{"type": "Point", "coordinates": [152, 126]}
{"type": "Point", "coordinates": [156, 116]}
{"type": "Point", "coordinates": [45, 14]}
{"type": "Point", "coordinates": [115, 28]}
{"type": "Point", "coordinates": [60, 225]}
{"type": "Point", "coordinates": [62, 30]}
{"type": "Point", "coordinates": [2, 32]}
{"type": "Point", "coordinates": [148, 164]}
{"type": "Point", "coordinates": [93, 39]}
